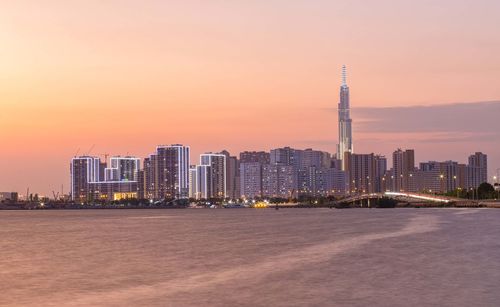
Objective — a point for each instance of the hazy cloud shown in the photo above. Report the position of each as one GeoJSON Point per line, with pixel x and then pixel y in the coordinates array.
{"type": "Point", "coordinates": [471, 120]}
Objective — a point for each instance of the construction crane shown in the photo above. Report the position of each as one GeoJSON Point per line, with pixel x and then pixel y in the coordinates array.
{"type": "Point", "coordinates": [56, 195]}
{"type": "Point", "coordinates": [90, 150]}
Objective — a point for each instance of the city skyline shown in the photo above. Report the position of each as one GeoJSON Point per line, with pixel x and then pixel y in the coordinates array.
{"type": "Point", "coordinates": [248, 76]}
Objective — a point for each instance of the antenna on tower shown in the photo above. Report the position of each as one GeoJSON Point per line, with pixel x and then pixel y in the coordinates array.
{"type": "Point", "coordinates": [344, 75]}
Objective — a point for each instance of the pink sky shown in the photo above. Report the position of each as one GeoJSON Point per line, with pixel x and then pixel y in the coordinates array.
{"type": "Point", "coordinates": [236, 75]}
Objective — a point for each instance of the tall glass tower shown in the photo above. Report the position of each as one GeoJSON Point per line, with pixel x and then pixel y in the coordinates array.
{"type": "Point", "coordinates": [345, 122]}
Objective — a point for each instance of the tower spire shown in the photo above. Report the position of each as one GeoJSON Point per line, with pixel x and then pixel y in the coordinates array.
{"type": "Point", "coordinates": [344, 75]}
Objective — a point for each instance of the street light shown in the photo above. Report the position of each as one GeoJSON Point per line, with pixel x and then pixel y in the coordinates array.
{"type": "Point", "coordinates": [455, 183]}
{"type": "Point", "coordinates": [441, 187]}
{"type": "Point", "coordinates": [495, 186]}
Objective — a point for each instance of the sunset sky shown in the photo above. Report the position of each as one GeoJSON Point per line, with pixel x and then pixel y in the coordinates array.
{"type": "Point", "coordinates": [127, 75]}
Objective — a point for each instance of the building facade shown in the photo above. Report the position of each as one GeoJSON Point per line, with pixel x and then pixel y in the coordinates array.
{"type": "Point", "coordinates": [217, 174]}
{"type": "Point", "coordinates": [361, 172]}
{"type": "Point", "coordinates": [344, 120]}
{"type": "Point", "coordinates": [477, 172]}
{"type": "Point", "coordinates": [403, 168]}
{"type": "Point", "coordinates": [232, 175]}
{"type": "Point", "coordinates": [167, 172]}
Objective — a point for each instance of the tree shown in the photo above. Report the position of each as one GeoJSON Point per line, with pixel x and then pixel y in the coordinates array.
{"type": "Point", "coordinates": [485, 191]}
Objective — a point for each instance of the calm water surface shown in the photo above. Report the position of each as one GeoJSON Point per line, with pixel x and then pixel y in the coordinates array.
{"type": "Point", "coordinates": [245, 257]}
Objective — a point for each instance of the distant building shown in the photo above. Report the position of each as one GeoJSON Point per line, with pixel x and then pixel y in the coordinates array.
{"type": "Point", "coordinates": [344, 121]}
{"type": "Point", "coordinates": [361, 172]}
{"type": "Point", "coordinates": [321, 182]}
{"type": "Point", "coordinates": [193, 182]}
{"type": "Point", "coordinates": [83, 170]}
{"type": "Point", "coordinates": [217, 175]}
{"type": "Point", "coordinates": [113, 190]}
{"type": "Point", "coordinates": [286, 156]}
{"type": "Point", "coordinates": [251, 166]}
{"type": "Point", "coordinates": [314, 158]}
{"type": "Point", "coordinates": [167, 172]}
{"type": "Point", "coordinates": [9, 196]}
{"type": "Point", "coordinates": [380, 171]}
{"type": "Point", "coordinates": [255, 156]}
{"type": "Point", "coordinates": [204, 187]}
{"type": "Point", "coordinates": [477, 172]}
{"type": "Point", "coordinates": [336, 163]}
{"type": "Point", "coordinates": [386, 181]}
{"type": "Point", "coordinates": [91, 180]}
{"type": "Point", "coordinates": [440, 177]}
{"type": "Point", "coordinates": [279, 181]}
{"type": "Point", "coordinates": [232, 175]}
{"type": "Point", "coordinates": [122, 169]}
{"type": "Point", "coordinates": [403, 167]}
{"type": "Point", "coordinates": [251, 179]}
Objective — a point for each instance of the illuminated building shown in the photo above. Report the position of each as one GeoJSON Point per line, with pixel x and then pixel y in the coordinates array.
{"type": "Point", "coordinates": [83, 170]}
{"type": "Point", "coordinates": [321, 181]}
{"type": "Point", "coordinates": [251, 179]}
{"type": "Point", "coordinates": [113, 190]}
{"type": "Point", "coordinates": [217, 174]}
{"type": "Point", "coordinates": [193, 182]}
{"type": "Point", "coordinates": [204, 182]}
{"type": "Point", "coordinates": [251, 164]}
{"type": "Point", "coordinates": [279, 181]}
{"type": "Point", "coordinates": [440, 177]}
{"type": "Point", "coordinates": [344, 120]}
{"type": "Point", "coordinates": [166, 172]}
{"type": "Point", "coordinates": [91, 180]}
{"type": "Point", "coordinates": [122, 169]}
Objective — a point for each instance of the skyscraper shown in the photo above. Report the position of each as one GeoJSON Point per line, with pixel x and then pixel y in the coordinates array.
{"type": "Point", "coordinates": [84, 170]}
{"type": "Point", "coordinates": [167, 172]}
{"type": "Point", "coordinates": [217, 175]}
{"type": "Point", "coordinates": [345, 122]}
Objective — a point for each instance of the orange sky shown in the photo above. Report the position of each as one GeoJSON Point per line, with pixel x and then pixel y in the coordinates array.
{"type": "Point", "coordinates": [128, 75]}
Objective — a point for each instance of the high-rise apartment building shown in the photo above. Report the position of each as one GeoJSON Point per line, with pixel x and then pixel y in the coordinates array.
{"type": "Point", "coordinates": [251, 165]}
{"type": "Point", "coordinates": [167, 172]}
{"type": "Point", "coordinates": [204, 188]}
{"type": "Point", "coordinates": [439, 177]}
{"type": "Point", "coordinates": [84, 170]}
{"type": "Point", "coordinates": [321, 181]}
{"type": "Point", "coordinates": [286, 156]}
{"type": "Point", "coordinates": [315, 158]}
{"type": "Point", "coordinates": [255, 156]}
{"type": "Point", "coordinates": [218, 171]}
{"type": "Point", "coordinates": [193, 182]}
{"type": "Point", "coordinates": [91, 180]}
{"type": "Point", "coordinates": [361, 172]}
{"type": "Point", "coordinates": [403, 167]}
{"type": "Point", "coordinates": [380, 171]}
{"type": "Point", "coordinates": [279, 180]}
{"type": "Point", "coordinates": [477, 172]}
{"type": "Point", "coordinates": [122, 169]}
{"type": "Point", "coordinates": [232, 175]}
{"type": "Point", "coordinates": [251, 179]}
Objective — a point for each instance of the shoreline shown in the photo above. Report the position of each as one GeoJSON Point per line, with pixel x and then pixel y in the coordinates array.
{"type": "Point", "coordinates": [33, 207]}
